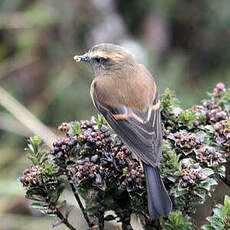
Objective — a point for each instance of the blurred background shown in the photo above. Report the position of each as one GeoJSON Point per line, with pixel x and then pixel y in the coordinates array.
{"type": "Point", "coordinates": [184, 43]}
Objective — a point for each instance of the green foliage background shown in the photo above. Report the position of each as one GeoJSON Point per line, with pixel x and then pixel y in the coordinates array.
{"type": "Point", "coordinates": [185, 45]}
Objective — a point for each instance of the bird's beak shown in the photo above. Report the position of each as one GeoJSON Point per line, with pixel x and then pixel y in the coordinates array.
{"type": "Point", "coordinates": [84, 57]}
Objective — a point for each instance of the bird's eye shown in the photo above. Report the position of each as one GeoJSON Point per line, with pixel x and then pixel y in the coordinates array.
{"type": "Point", "coordinates": [97, 59]}
{"type": "Point", "coordinates": [100, 60]}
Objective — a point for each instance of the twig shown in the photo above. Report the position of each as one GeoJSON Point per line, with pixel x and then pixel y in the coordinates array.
{"type": "Point", "coordinates": [101, 219]}
{"type": "Point", "coordinates": [124, 215]}
{"type": "Point", "coordinates": [79, 201]}
{"type": "Point", "coordinates": [26, 117]}
{"type": "Point", "coordinates": [64, 220]}
{"type": "Point", "coordinates": [10, 124]}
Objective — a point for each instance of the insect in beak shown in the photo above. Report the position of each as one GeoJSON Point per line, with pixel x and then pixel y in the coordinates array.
{"type": "Point", "coordinates": [84, 57]}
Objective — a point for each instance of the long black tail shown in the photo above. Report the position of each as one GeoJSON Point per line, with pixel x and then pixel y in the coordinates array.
{"type": "Point", "coordinates": [159, 203]}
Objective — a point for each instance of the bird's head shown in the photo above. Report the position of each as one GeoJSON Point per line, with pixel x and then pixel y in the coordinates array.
{"type": "Point", "coordinates": [106, 58]}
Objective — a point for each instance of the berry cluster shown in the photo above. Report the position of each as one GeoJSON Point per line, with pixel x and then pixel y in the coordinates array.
{"type": "Point", "coordinates": [102, 168]}
{"type": "Point", "coordinates": [190, 174]}
{"type": "Point", "coordinates": [209, 156]}
{"type": "Point", "coordinates": [87, 170]}
{"type": "Point", "coordinates": [90, 139]}
{"type": "Point", "coordinates": [31, 176]}
{"type": "Point", "coordinates": [207, 112]}
{"type": "Point", "coordinates": [214, 111]}
{"type": "Point", "coordinates": [185, 140]}
{"type": "Point", "coordinates": [62, 147]}
{"type": "Point", "coordinates": [200, 114]}
{"type": "Point", "coordinates": [99, 157]}
{"type": "Point", "coordinates": [111, 159]}
{"type": "Point", "coordinates": [92, 136]}
{"type": "Point", "coordinates": [64, 127]}
{"type": "Point", "coordinates": [134, 175]}
{"type": "Point", "coordinates": [219, 91]}
{"type": "Point", "coordinates": [222, 132]}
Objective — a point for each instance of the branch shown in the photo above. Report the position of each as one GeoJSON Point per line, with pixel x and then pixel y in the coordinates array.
{"type": "Point", "coordinates": [101, 219]}
{"type": "Point", "coordinates": [64, 220]}
{"type": "Point", "coordinates": [26, 117]}
{"type": "Point", "coordinates": [79, 201]}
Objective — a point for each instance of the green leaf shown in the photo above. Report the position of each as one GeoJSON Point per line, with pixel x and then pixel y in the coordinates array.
{"type": "Point", "coordinates": [221, 169]}
{"type": "Point", "coordinates": [226, 209]}
{"type": "Point", "coordinates": [208, 227]}
{"type": "Point", "coordinates": [169, 102]}
{"type": "Point", "coordinates": [187, 116]}
{"type": "Point", "coordinates": [207, 171]}
{"type": "Point", "coordinates": [36, 141]}
{"type": "Point", "coordinates": [76, 128]}
{"type": "Point", "coordinates": [34, 145]}
{"type": "Point", "coordinates": [31, 150]}
{"type": "Point", "coordinates": [228, 123]}
{"type": "Point", "coordinates": [40, 155]}
{"type": "Point", "coordinates": [178, 191]}
{"type": "Point", "coordinates": [217, 212]}
{"type": "Point", "coordinates": [34, 160]}
{"type": "Point", "coordinates": [178, 221]}
{"type": "Point", "coordinates": [209, 128]}
{"type": "Point", "coordinates": [227, 201]}
{"type": "Point", "coordinates": [220, 219]}
{"type": "Point", "coordinates": [200, 194]}
{"type": "Point", "coordinates": [100, 121]}
{"type": "Point", "coordinates": [208, 183]}
{"type": "Point", "coordinates": [38, 205]}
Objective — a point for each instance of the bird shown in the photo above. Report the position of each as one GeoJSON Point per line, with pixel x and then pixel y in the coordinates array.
{"type": "Point", "coordinates": [125, 93]}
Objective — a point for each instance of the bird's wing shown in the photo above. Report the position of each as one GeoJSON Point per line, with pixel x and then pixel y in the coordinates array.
{"type": "Point", "coordinates": [141, 132]}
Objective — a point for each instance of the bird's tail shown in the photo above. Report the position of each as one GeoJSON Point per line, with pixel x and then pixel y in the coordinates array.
{"type": "Point", "coordinates": [159, 203]}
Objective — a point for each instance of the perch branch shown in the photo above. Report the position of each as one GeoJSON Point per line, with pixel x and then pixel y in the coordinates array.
{"type": "Point", "coordinates": [79, 201]}
{"type": "Point", "coordinates": [64, 220]}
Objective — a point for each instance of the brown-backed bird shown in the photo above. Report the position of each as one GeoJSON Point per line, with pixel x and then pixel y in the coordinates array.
{"type": "Point", "coordinates": [126, 94]}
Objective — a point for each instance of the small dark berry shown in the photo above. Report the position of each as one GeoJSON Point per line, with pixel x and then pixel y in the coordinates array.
{"type": "Point", "coordinates": [104, 129]}
{"type": "Point", "coordinates": [59, 154]}
{"type": "Point", "coordinates": [94, 158]}
{"type": "Point", "coordinates": [196, 166]}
